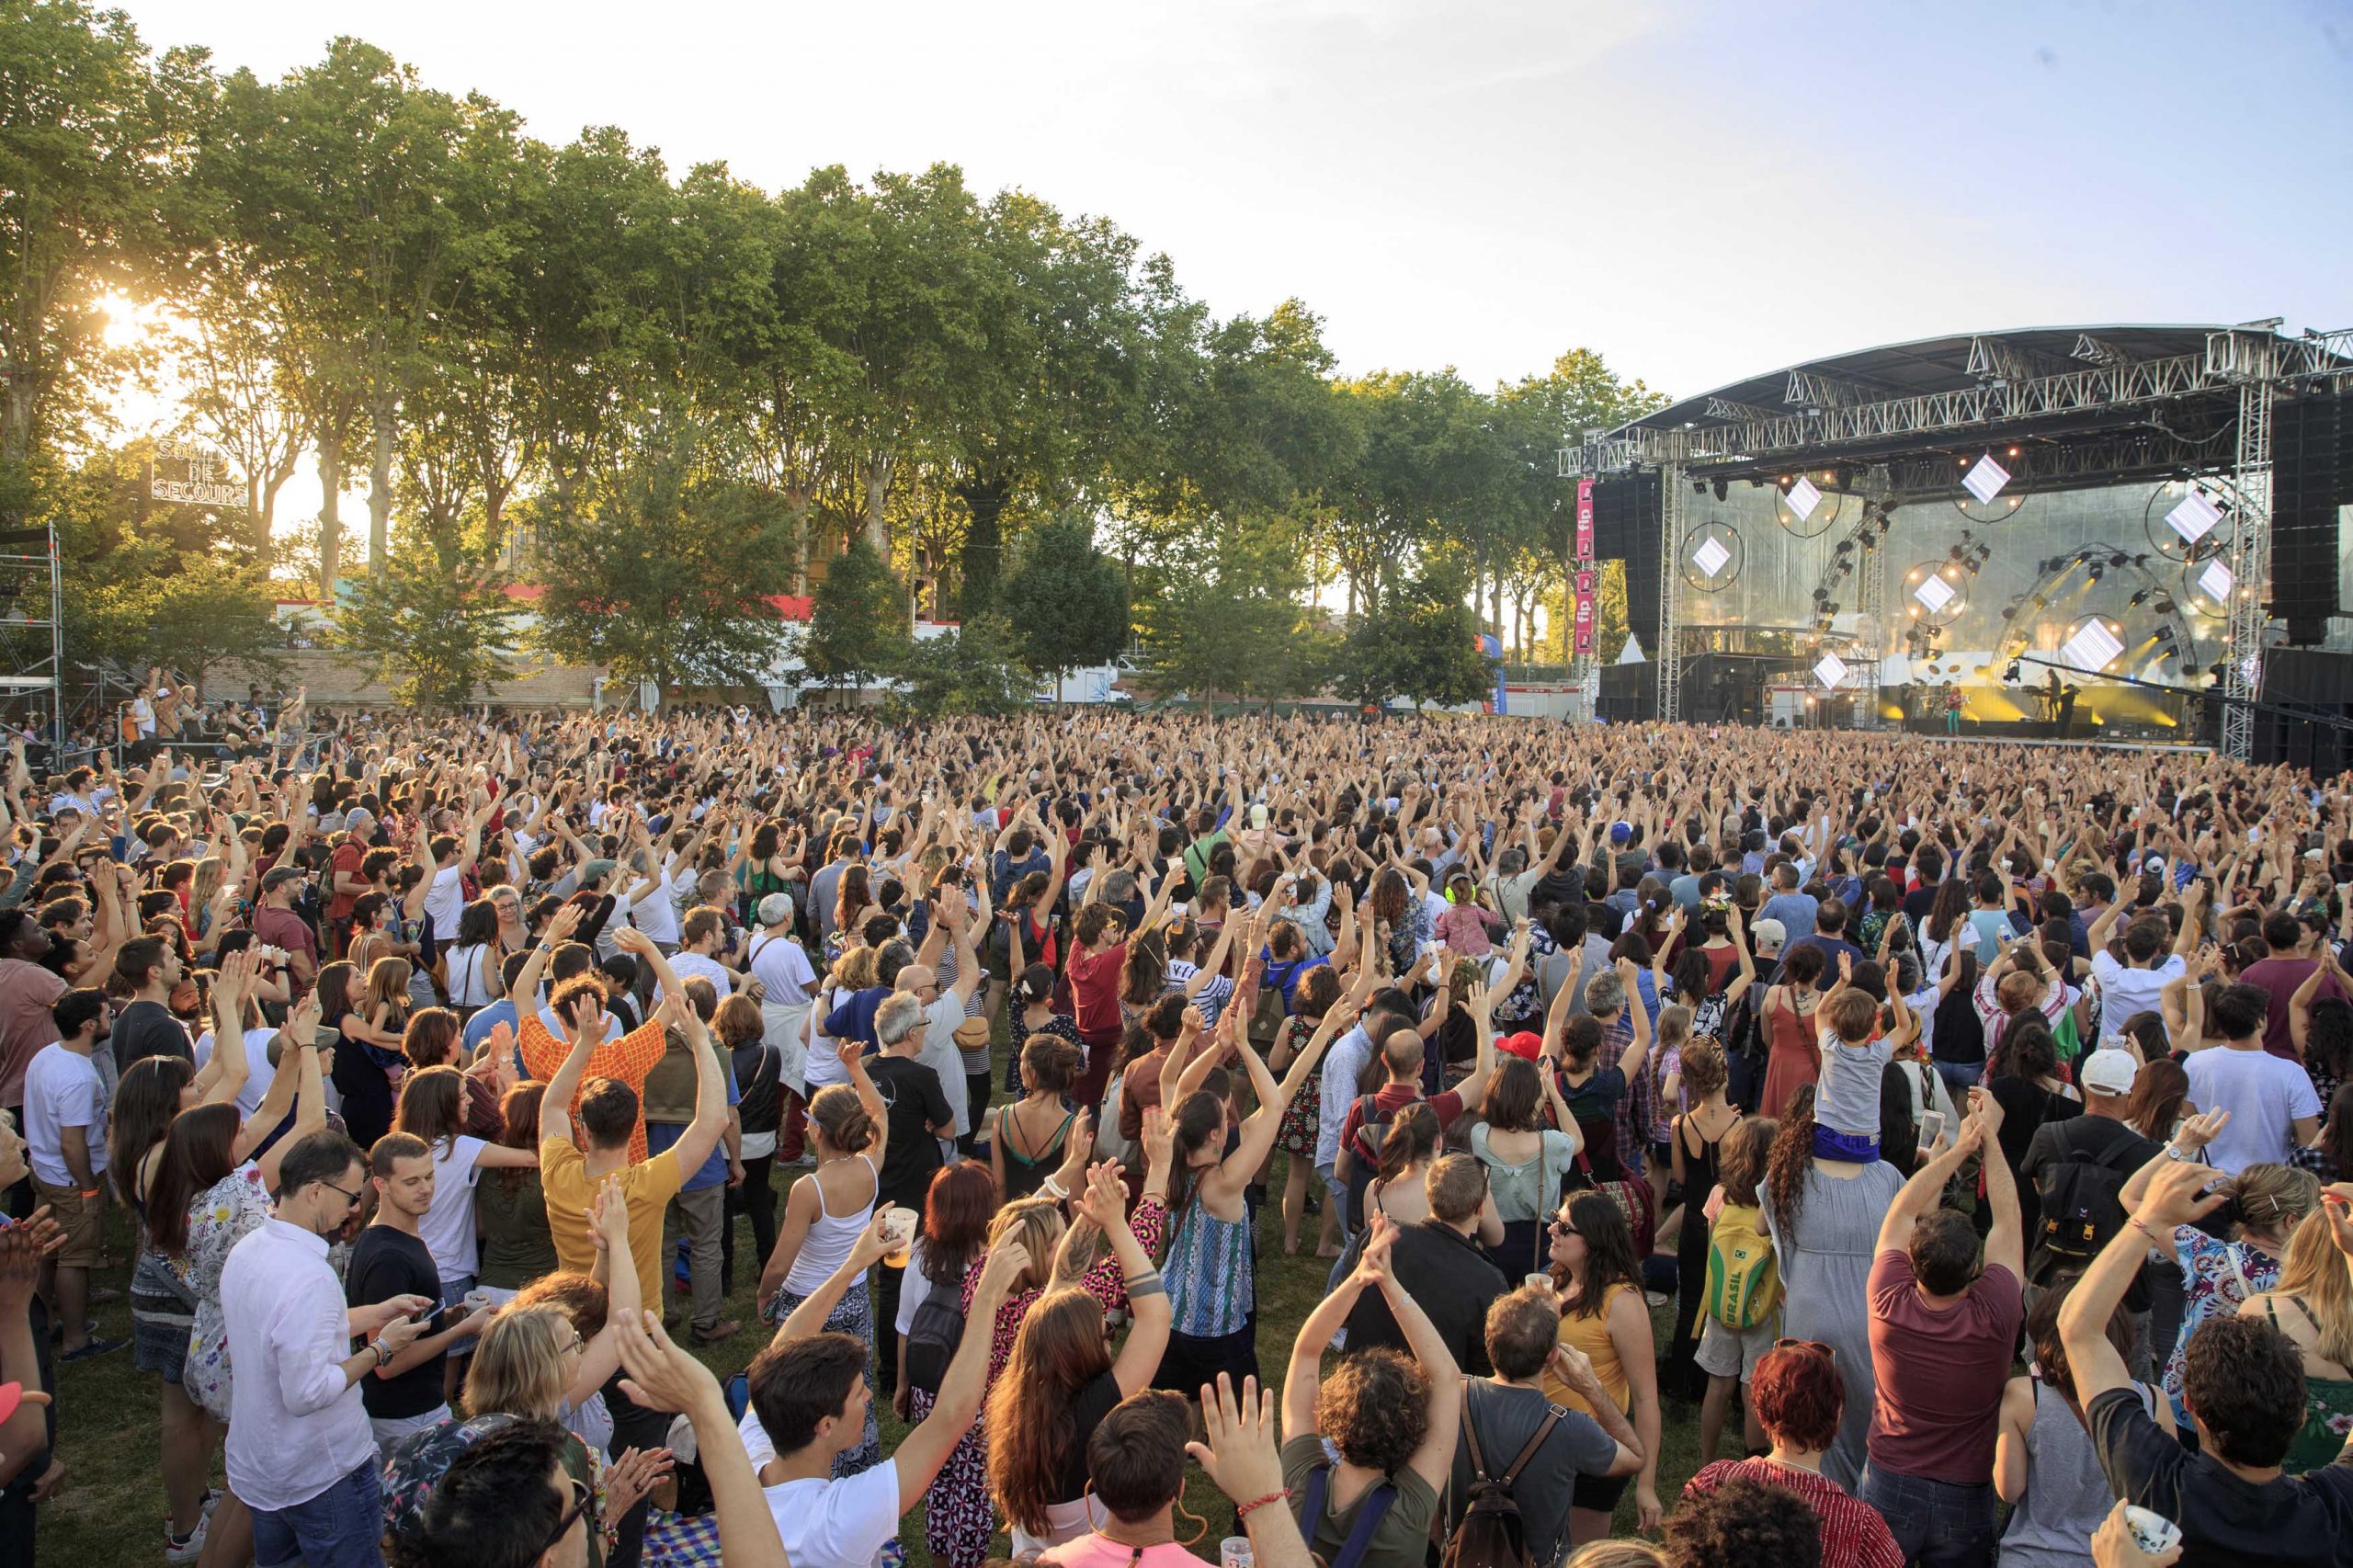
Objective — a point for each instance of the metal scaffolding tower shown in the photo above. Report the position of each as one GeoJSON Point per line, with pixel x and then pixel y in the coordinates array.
{"type": "Point", "coordinates": [1670, 592]}
{"type": "Point", "coordinates": [32, 632]}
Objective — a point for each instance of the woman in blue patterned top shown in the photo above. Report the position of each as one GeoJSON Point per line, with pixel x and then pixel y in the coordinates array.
{"type": "Point", "coordinates": [1210, 1263]}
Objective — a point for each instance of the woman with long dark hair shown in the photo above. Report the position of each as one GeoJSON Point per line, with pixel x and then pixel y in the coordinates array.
{"type": "Point", "coordinates": [162, 1304]}
{"type": "Point", "coordinates": [740, 1028]}
{"type": "Point", "coordinates": [473, 959]}
{"type": "Point", "coordinates": [1598, 1282]}
{"type": "Point", "coordinates": [1527, 1161]}
{"type": "Point", "coordinates": [1063, 1380]}
{"type": "Point", "coordinates": [432, 1108]}
{"type": "Point", "coordinates": [1795, 1059]}
{"type": "Point", "coordinates": [511, 1208]}
{"type": "Point", "coordinates": [1823, 1216]}
{"type": "Point", "coordinates": [1316, 990]}
{"type": "Point", "coordinates": [1033, 1131]}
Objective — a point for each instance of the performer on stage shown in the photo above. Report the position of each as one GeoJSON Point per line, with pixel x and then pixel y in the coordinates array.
{"type": "Point", "coordinates": [1954, 702]}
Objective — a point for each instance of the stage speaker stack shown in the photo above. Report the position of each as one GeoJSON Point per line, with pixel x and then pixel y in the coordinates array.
{"type": "Point", "coordinates": [2311, 476]}
{"type": "Point", "coordinates": [1626, 514]}
{"type": "Point", "coordinates": [2313, 682]}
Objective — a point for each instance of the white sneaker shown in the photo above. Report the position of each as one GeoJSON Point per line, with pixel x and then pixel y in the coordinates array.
{"type": "Point", "coordinates": [188, 1551]}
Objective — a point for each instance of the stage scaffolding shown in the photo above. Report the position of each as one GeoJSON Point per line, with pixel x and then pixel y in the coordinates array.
{"type": "Point", "coordinates": [32, 632]}
{"type": "Point", "coordinates": [2092, 406]}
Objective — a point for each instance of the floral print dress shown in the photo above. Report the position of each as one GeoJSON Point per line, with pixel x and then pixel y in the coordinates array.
{"type": "Point", "coordinates": [2215, 1277]}
{"type": "Point", "coordinates": [229, 1210]}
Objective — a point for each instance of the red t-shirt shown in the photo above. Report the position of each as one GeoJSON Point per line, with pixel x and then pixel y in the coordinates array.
{"type": "Point", "coordinates": [1940, 1373]}
{"type": "Point", "coordinates": [1393, 1099]}
{"type": "Point", "coordinates": [348, 857]}
{"type": "Point", "coordinates": [1095, 991]}
{"type": "Point", "coordinates": [2279, 978]}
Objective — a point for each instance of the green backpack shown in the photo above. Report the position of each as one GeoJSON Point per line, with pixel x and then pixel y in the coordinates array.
{"type": "Point", "coordinates": [1744, 1278]}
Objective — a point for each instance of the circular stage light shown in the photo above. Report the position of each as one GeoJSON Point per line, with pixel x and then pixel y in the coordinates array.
{"type": "Point", "coordinates": [2188, 520]}
{"type": "Point", "coordinates": [1711, 557]}
{"type": "Point", "coordinates": [1828, 507]}
{"type": "Point", "coordinates": [1935, 593]}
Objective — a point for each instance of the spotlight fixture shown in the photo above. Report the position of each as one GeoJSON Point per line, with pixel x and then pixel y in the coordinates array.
{"type": "Point", "coordinates": [2165, 604]}
{"type": "Point", "coordinates": [2098, 570]}
{"type": "Point", "coordinates": [2119, 558]}
{"type": "Point", "coordinates": [2009, 612]}
{"type": "Point", "coordinates": [2140, 597]}
{"type": "Point", "coordinates": [2012, 673]}
{"type": "Point", "coordinates": [1720, 487]}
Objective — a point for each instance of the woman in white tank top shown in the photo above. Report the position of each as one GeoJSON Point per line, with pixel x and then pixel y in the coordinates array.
{"type": "Point", "coordinates": [823, 1215]}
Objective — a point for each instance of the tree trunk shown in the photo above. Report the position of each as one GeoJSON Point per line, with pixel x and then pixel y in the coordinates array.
{"type": "Point", "coordinates": [878, 526]}
{"type": "Point", "coordinates": [383, 425]}
{"type": "Point", "coordinates": [259, 499]}
{"type": "Point", "coordinates": [330, 512]}
{"type": "Point", "coordinates": [984, 544]}
{"type": "Point", "coordinates": [796, 503]}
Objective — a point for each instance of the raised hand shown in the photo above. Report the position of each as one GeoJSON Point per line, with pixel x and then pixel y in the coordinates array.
{"type": "Point", "coordinates": [1238, 1452]}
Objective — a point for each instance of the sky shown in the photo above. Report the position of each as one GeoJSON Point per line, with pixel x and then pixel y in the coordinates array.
{"type": "Point", "coordinates": [1701, 191]}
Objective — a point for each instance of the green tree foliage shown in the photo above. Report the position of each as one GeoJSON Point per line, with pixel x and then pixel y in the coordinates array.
{"type": "Point", "coordinates": [149, 583]}
{"type": "Point", "coordinates": [437, 630]}
{"type": "Point", "coordinates": [972, 670]}
{"type": "Point", "coordinates": [1233, 626]}
{"type": "Point", "coordinates": [857, 626]}
{"type": "Point", "coordinates": [391, 278]}
{"type": "Point", "coordinates": [1066, 603]}
{"type": "Point", "coordinates": [669, 579]}
{"type": "Point", "coordinates": [94, 136]}
{"type": "Point", "coordinates": [1421, 645]}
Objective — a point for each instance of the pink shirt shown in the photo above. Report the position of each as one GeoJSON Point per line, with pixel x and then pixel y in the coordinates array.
{"type": "Point", "coordinates": [1091, 1550]}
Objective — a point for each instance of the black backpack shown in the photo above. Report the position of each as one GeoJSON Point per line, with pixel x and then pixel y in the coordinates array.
{"type": "Point", "coordinates": [2081, 1205]}
{"type": "Point", "coordinates": [933, 1336]}
{"type": "Point", "coordinates": [1492, 1534]}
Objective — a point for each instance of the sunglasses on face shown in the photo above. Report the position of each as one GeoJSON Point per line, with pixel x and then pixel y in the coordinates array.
{"type": "Point", "coordinates": [581, 1498]}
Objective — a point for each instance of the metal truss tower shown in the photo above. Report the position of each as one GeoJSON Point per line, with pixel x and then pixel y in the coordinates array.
{"type": "Point", "coordinates": [1670, 592]}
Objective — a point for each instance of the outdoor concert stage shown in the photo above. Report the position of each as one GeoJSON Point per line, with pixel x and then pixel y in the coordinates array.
{"type": "Point", "coordinates": [1861, 540]}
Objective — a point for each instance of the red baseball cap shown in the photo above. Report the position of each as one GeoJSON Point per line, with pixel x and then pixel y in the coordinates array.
{"type": "Point", "coordinates": [1525, 1044]}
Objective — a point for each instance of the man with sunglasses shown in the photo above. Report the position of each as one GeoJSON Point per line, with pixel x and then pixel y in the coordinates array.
{"type": "Point", "coordinates": [300, 1453]}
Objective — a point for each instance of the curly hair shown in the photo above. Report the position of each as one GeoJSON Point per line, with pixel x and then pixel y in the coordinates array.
{"type": "Point", "coordinates": [1375, 1409]}
{"type": "Point", "coordinates": [1792, 1156]}
{"type": "Point", "coordinates": [1745, 1522]}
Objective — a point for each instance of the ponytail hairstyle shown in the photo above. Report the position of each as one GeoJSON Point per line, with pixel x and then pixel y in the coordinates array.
{"type": "Point", "coordinates": [1200, 1116]}
{"type": "Point", "coordinates": [1792, 1157]}
{"type": "Point", "coordinates": [841, 1116]}
{"type": "Point", "coordinates": [2273, 1200]}
{"type": "Point", "coordinates": [1412, 1139]}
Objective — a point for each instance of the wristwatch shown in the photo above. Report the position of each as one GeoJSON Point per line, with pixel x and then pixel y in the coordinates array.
{"type": "Point", "coordinates": [383, 1351]}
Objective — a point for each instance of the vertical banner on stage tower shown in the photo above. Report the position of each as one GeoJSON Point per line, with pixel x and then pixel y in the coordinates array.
{"type": "Point", "coordinates": [1583, 550]}
{"type": "Point", "coordinates": [1585, 613]}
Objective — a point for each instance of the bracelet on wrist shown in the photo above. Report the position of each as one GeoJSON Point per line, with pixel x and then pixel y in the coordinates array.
{"type": "Point", "coordinates": [1245, 1510]}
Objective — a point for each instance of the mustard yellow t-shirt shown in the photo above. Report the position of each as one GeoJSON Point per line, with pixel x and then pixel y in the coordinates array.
{"type": "Point", "coordinates": [1590, 1334]}
{"type": "Point", "coordinates": [649, 1186]}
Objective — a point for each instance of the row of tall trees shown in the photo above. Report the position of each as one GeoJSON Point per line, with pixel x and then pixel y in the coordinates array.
{"type": "Point", "coordinates": [672, 397]}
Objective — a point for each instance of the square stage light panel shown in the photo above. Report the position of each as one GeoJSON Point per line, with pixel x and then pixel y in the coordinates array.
{"type": "Point", "coordinates": [1830, 671]}
{"type": "Point", "coordinates": [1936, 593]}
{"type": "Point", "coordinates": [1803, 498]}
{"type": "Point", "coordinates": [2216, 582]}
{"type": "Point", "coordinates": [1985, 481]}
{"type": "Point", "coordinates": [2194, 518]}
{"type": "Point", "coordinates": [1711, 556]}
{"type": "Point", "coordinates": [2091, 647]}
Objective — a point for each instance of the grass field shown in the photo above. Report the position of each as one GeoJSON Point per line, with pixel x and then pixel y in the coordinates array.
{"type": "Point", "coordinates": [108, 1513]}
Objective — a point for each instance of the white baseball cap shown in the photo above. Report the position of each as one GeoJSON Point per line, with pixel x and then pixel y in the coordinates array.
{"type": "Point", "coordinates": [2109, 1072]}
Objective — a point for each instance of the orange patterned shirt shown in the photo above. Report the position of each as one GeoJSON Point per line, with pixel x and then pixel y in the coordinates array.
{"type": "Point", "coordinates": [628, 1060]}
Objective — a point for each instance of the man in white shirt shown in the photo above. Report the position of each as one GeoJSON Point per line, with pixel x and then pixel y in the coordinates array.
{"type": "Point", "coordinates": [2274, 1108]}
{"type": "Point", "coordinates": [445, 898]}
{"type": "Point", "coordinates": [704, 935]}
{"type": "Point", "coordinates": [65, 1128]}
{"type": "Point", "coordinates": [2133, 986]}
{"type": "Point", "coordinates": [809, 1390]}
{"type": "Point", "coordinates": [300, 1453]}
{"type": "Point", "coordinates": [943, 1007]}
{"type": "Point", "coordinates": [777, 960]}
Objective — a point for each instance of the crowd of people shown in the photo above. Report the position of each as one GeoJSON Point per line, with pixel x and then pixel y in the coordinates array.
{"type": "Point", "coordinates": [1964, 1130]}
